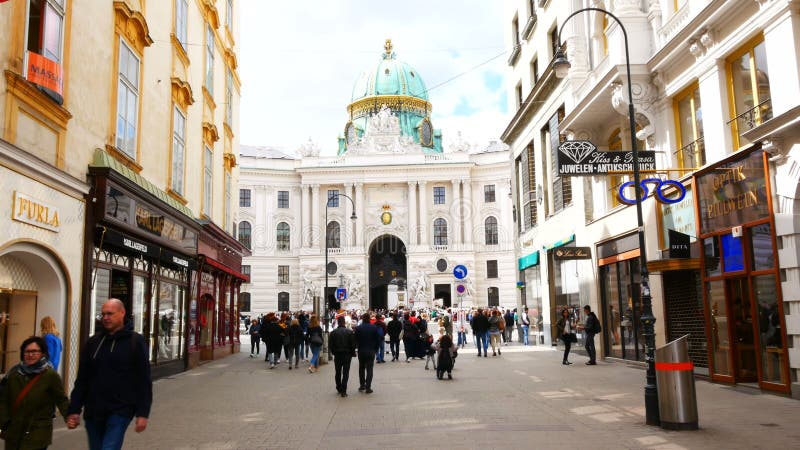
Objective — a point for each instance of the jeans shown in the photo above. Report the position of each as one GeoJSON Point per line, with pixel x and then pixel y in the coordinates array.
{"type": "Point", "coordinates": [296, 352]}
{"type": "Point", "coordinates": [567, 346]}
{"type": "Point", "coordinates": [525, 329]}
{"type": "Point", "coordinates": [273, 357]}
{"type": "Point", "coordinates": [303, 349]}
{"type": "Point", "coordinates": [108, 433]}
{"type": "Point", "coordinates": [462, 338]}
{"type": "Point", "coordinates": [315, 349]}
{"type": "Point", "coordinates": [381, 350]}
{"type": "Point", "coordinates": [590, 347]}
{"type": "Point", "coordinates": [394, 347]}
{"type": "Point", "coordinates": [494, 337]}
{"type": "Point", "coordinates": [366, 362]}
{"type": "Point", "coordinates": [341, 362]}
{"type": "Point", "coordinates": [255, 345]}
{"type": "Point", "coordinates": [482, 340]}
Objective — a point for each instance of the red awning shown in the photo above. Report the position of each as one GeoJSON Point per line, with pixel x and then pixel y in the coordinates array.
{"type": "Point", "coordinates": [226, 269]}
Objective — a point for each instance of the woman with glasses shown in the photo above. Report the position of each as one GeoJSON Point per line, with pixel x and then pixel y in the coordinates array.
{"type": "Point", "coordinates": [32, 392]}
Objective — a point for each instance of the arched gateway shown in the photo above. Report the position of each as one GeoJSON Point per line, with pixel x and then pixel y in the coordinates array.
{"type": "Point", "coordinates": [387, 269]}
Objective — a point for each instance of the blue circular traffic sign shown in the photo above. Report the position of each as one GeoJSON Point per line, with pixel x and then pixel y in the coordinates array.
{"type": "Point", "coordinates": [460, 271]}
{"type": "Point", "coordinates": [460, 288]}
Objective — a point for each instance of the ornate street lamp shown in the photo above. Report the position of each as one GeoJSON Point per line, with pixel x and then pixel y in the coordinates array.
{"type": "Point", "coordinates": [561, 67]}
{"type": "Point", "coordinates": [353, 217]}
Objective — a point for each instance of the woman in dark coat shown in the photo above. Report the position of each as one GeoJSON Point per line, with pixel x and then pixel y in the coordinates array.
{"type": "Point", "coordinates": [565, 329]}
{"type": "Point", "coordinates": [315, 340]}
{"type": "Point", "coordinates": [28, 421]}
{"type": "Point", "coordinates": [411, 339]}
{"type": "Point", "coordinates": [296, 339]}
{"type": "Point", "coordinates": [272, 334]}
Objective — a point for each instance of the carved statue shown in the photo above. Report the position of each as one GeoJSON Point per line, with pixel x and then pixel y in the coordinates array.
{"type": "Point", "coordinates": [309, 288]}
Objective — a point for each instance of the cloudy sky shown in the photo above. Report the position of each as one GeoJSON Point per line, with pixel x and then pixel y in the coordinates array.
{"type": "Point", "coordinates": [299, 60]}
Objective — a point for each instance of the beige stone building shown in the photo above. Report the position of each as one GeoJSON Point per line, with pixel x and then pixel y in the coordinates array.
{"type": "Point", "coordinates": [119, 130]}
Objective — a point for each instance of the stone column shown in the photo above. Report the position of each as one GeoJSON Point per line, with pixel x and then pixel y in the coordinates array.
{"type": "Point", "coordinates": [423, 214]}
{"type": "Point", "coordinates": [360, 213]}
{"type": "Point", "coordinates": [316, 231]}
{"type": "Point", "coordinates": [304, 217]}
{"type": "Point", "coordinates": [296, 236]}
{"type": "Point", "coordinates": [347, 224]}
{"type": "Point", "coordinates": [413, 228]}
{"type": "Point", "coordinates": [470, 212]}
{"type": "Point", "coordinates": [458, 216]}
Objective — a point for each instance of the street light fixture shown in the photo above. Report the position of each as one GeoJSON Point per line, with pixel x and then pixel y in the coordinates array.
{"type": "Point", "coordinates": [561, 67]}
{"type": "Point", "coordinates": [353, 217]}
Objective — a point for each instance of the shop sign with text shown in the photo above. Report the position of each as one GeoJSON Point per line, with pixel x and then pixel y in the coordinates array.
{"type": "Point", "coordinates": [572, 253]}
{"type": "Point", "coordinates": [582, 158]}
{"type": "Point", "coordinates": [34, 212]}
{"type": "Point", "coordinates": [733, 193]}
{"type": "Point", "coordinates": [45, 72]}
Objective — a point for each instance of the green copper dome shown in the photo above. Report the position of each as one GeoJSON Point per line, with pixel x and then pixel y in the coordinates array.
{"type": "Point", "coordinates": [390, 77]}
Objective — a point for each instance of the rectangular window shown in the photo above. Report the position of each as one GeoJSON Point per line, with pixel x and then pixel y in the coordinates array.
{"type": "Point", "coordinates": [518, 95]}
{"type": "Point", "coordinates": [246, 269]}
{"type": "Point", "coordinates": [228, 188]}
{"type": "Point", "coordinates": [46, 28]}
{"type": "Point", "coordinates": [209, 60]}
{"type": "Point", "coordinates": [181, 22]}
{"type": "Point", "coordinates": [283, 274]}
{"type": "Point", "coordinates": [748, 84]}
{"type": "Point", "coordinates": [127, 100]}
{"type": "Point", "coordinates": [493, 295]}
{"type": "Point", "coordinates": [491, 268]}
{"type": "Point", "coordinates": [554, 40]}
{"type": "Point", "coordinates": [283, 199]}
{"type": "Point", "coordinates": [488, 193]}
{"type": "Point", "coordinates": [534, 72]}
{"type": "Point", "coordinates": [208, 181]}
{"type": "Point", "coordinates": [333, 198]}
{"type": "Point", "coordinates": [229, 98]}
{"type": "Point", "coordinates": [528, 183]}
{"type": "Point", "coordinates": [561, 186]}
{"type": "Point", "coordinates": [229, 15]}
{"type": "Point", "coordinates": [438, 195]}
{"type": "Point", "coordinates": [244, 198]}
{"type": "Point", "coordinates": [689, 126]}
{"type": "Point", "coordinates": [515, 31]}
{"type": "Point", "coordinates": [178, 150]}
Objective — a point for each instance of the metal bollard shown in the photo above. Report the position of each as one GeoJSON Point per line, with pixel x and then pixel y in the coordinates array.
{"type": "Point", "coordinates": [677, 400]}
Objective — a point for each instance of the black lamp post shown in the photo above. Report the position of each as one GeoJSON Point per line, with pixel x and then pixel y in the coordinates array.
{"type": "Point", "coordinates": [561, 66]}
{"type": "Point", "coordinates": [327, 242]}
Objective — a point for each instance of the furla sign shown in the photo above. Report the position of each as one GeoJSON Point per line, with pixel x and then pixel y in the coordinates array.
{"type": "Point", "coordinates": [34, 212]}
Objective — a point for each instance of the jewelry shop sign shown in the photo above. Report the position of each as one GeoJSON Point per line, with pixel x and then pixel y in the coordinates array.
{"type": "Point", "coordinates": [28, 210]}
{"type": "Point", "coordinates": [582, 158]}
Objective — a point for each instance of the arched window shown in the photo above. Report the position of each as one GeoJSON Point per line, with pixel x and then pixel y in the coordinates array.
{"type": "Point", "coordinates": [282, 236]}
{"type": "Point", "coordinates": [283, 301]}
{"type": "Point", "coordinates": [244, 302]}
{"type": "Point", "coordinates": [439, 232]}
{"type": "Point", "coordinates": [332, 234]}
{"type": "Point", "coordinates": [244, 233]}
{"type": "Point", "coordinates": [491, 230]}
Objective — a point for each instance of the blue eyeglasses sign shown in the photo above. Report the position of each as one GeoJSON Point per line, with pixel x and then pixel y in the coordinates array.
{"type": "Point", "coordinates": [658, 192]}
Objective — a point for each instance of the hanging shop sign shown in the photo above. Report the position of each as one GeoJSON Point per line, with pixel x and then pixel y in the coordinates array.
{"type": "Point", "coordinates": [678, 216]}
{"type": "Point", "coordinates": [627, 194]}
{"type": "Point", "coordinates": [733, 193]}
{"type": "Point", "coordinates": [581, 158]}
{"type": "Point", "coordinates": [572, 253]}
{"type": "Point", "coordinates": [678, 245]}
{"type": "Point", "coordinates": [34, 212]}
{"type": "Point", "coordinates": [45, 72]}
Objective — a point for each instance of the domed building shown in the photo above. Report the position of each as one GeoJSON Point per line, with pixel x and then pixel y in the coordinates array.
{"type": "Point", "coordinates": [388, 216]}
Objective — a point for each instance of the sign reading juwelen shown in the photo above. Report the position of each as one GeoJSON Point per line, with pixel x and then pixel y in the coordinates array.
{"type": "Point", "coordinates": [733, 193]}
{"type": "Point", "coordinates": [581, 158]}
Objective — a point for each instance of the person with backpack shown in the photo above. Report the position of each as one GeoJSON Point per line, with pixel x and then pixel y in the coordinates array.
{"type": "Point", "coordinates": [591, 327]}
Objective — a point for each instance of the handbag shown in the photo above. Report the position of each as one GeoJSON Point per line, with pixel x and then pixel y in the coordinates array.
{"type": "Point", "coordinates": [316, 339]}
{"type": "Point", "coordinates": [573, 338]}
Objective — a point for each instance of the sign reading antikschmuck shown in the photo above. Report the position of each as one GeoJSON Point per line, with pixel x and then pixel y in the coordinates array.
{"type": "Point", "coordinates": [581, 158]}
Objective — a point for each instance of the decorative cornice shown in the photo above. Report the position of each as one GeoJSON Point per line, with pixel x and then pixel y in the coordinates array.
{"type": "Point", "coordinates": [210, 13]}
{"type": "Point", "coordinates": [27, 92]}
{"type": "Point", "coordinates": [369, 105]}
{"type": "Point", "coordinates": [181, 93]}
{"type": "Point", "coordinates": [122, 158]}
{"type": "Point", "coordinates": [230, 161]}
{"type": "Point", "coordinates": [210, 134]}
{"type": "Point", "coordinates": [230, 59]}
{"type": "Point", "coordinates": [179, 50]}
{"type": "Point", "coordinates": [212, 105]}
{"type": "Point", "coordinates": [133, 25]}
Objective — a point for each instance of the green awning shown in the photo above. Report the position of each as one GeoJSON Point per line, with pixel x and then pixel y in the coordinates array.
{"type": "Point", "coordinates": [564, 241]}
{"type": "Point", "coordinates": [528, 260]}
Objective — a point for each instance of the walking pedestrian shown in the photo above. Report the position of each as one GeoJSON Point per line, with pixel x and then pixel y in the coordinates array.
{"type": "Point", "coordinates": [303, 319]}
{"type": "Point", "coordinates": [367, 340]}
{"type": "Point", "coordinates": [525, 324]}
{"type": "Point", "coordinates": [379, 358]}
{"type": "Point", "coordinates": [446, 353]}
{"type": "Point", "coordinates": [496, 323]}
{"type": "Point", "coordinates": [591, 327]}
{"type": "Point", "coordinates": [394, 328]}
{"type": "Point", "coordinates": [286, 322]}
{"type": "Point", "coordinates": [295, 341]}
{"type": "Point", "coordinates": [50, 334]}
{"type": "Point", "coordinates": [565, 331]}
{"type": "Point", "coordinates": [509, 330]}
{"type": "Point", "coordinates": [342, 342]}
{"type": "Point", "coordinates": [32, 391]}
{"type": "Point", "coordinates": [255, 338]}
{"type": "Point", "coordinates": [113, 384]}
{"type": "Point", "coordinates": [461, 326]}
{"type": "Point", "coordinates": [480, 328]}
{"type": "Point", "coordinates": [447, 324]}
{"type": "Point", "coordinates": [315, 341]}
{"type": "Point", "coordinates": [273, 335]}
{"type": "Point", "coordinates": [410, 338]}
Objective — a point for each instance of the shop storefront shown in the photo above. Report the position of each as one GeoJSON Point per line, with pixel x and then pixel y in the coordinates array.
{"type": "Point", "coordinates": [530, 276]}
{"type": "Point", "coordinates": [40, 259]}
{"type": "Point", "coordinates": [565, 263]}
{"type": "Point", "coordinates": [741, 285]}
{"type": "Point", "coordinates": [620, 298]}
{"type": "Point", "coordinates": [213, 315]}
{"type": "Point", "coordinates": [140, 249]}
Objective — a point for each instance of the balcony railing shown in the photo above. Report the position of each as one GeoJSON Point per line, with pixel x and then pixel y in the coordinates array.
{"type": "Point", "coordinates": [334, 251]}
{"type": "Point", "coordinates": [691, 156]}
{"type": "Point", "coordinates": [753, 117]}
{"type": "Point", "coordinates": [529, 26]}
{"type": "Point", "coordinates": [440, 247]}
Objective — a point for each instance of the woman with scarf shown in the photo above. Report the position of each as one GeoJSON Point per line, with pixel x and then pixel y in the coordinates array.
{"type": "Point", "coordinates": [31, 393]}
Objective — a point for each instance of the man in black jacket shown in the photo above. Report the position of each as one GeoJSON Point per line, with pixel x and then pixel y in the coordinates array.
{"type": "Point", "coordinates": [480, 327]}
{"type": "Point", "coordinates": [113, 384]}
{"type": "Point", "coordinates": [394, 328]}
{"type": "Point", "coordinates": [367, 341]}
{"type": "Point", "coordinates": [342, 342]}
{"type": "Point", "coordinates": [591, 327]}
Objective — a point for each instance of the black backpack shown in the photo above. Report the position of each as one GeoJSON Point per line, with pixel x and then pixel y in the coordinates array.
{"type": "Point", "coordinates": [597, 327]}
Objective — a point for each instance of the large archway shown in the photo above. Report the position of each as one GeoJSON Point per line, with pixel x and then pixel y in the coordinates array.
{"type": "Point", "coordinates": [387, 267]}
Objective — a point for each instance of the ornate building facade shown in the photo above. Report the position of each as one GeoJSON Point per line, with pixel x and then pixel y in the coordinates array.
{"type": "Point", "coordinates": [395, 212]}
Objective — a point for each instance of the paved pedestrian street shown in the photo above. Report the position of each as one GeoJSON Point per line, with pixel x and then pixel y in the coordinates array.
{"type": "Point", "coordinates": [522, 399]}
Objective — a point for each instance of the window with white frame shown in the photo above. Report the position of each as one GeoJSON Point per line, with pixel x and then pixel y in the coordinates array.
{"type": "Point", "coordinates": [488, 193]}
{"type": "Point", "coordinates": [438, 195]}
{"type": "Point", "coordinates": [283, 199]}
{"type": "Point", "coordinates": [178, 150]}
{"type": "Point", "coordinates": [282, 237]}
{"type": "Point", "coordinates": [228, 188]}
{"type": "Point", "coordinates": [46, 35]}
{"type": "Point", "coordinates": [283, 274]}
{"type": "Point", "coordinates": [182, 22]}
{"type": "Point", "coordinates": [333, 198]}
{"type": "Point", "coordinates": [229, 98]}
{"type": "Point", "coordinates": [229, 15]}
{"type": "Point", "coordinates": [244, 198]}
{"type": "Point", "coordinates": [334, 235]}
{"type": "Point", "coordinates": [245, 233]}
{"type": "Point", "coordinates": [208, 181]}
{"type": "Point", "coordinates": [127, 100]}
{"type": "Point", "coordinates": [491, 230]}
{"type": "Point", "coordinates": [440, 232]}
{"type": "Point", "coordinates": [209, 60]}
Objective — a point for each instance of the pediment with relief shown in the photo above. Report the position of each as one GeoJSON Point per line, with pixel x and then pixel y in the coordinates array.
{"type": "Point", "coordinates": [383, 136]}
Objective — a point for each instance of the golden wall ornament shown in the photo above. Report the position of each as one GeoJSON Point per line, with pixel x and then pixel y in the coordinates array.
{"type": "Point", "coordinates": [386, 218]}
{"type": "Point", "coordinates": [132, 25]}
{"type": "Point", "coordinates": [181, 93]}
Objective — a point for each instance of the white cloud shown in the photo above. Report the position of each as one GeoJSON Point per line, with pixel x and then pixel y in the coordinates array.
{"type": "Point", "coordinates": [299, 61]}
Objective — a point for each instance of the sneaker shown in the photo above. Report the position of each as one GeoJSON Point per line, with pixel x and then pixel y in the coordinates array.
{"type": "Point", "coordinates": [368, 391]}
{"type": "Point", "coordinates": [272, 366]}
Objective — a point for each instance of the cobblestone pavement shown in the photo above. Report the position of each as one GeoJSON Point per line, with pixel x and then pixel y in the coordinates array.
{"type": "Point", "coordinates": [524, 398]}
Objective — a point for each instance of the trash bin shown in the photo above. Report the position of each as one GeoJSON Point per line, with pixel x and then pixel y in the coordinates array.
{"type": "Point", "coordinates": [677, 400]}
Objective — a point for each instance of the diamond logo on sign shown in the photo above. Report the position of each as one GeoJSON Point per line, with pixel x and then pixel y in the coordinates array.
{"type": "Point", "coordinates": [577, 151]}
